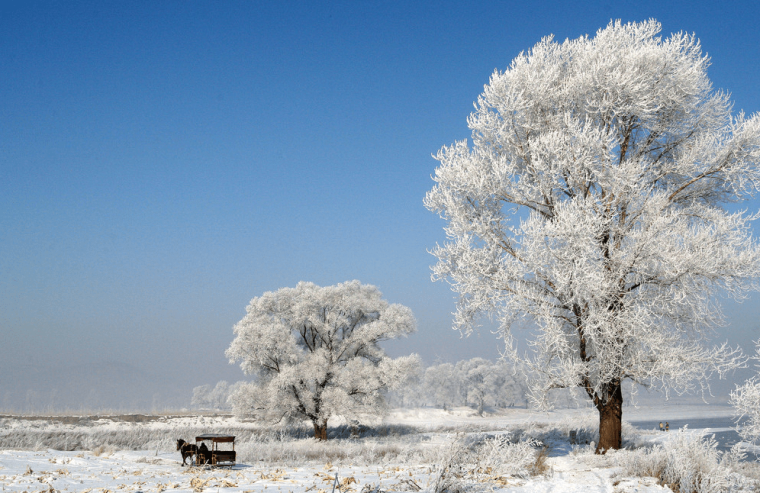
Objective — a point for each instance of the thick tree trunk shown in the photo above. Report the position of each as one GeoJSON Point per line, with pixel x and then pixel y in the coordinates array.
{"type": "Point", "coordinates": [320, 430]}
{"type": "Point", "coordinates": [611, 420]}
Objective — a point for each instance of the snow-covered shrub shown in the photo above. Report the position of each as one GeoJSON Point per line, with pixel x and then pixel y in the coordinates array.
{"type": "Point", "coordinates": [687, 462]}
{"type": "Point", "coordinates": [448, 473]}
{"type": "Point", "coordinates": [484, 458]}
{"type": "Point", "coordinates": [569, 431]}
{"type": "Point", "coordinates": [505, 457]}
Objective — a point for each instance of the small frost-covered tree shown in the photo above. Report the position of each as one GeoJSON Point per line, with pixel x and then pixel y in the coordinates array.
{"type": "Point", "coordinates": [201, 396]}
{"type": "Point", "coordinates": [441, 385]}
{"type": "Point", "coordinates": [589, 209]}
{"type": "Point", "coordinates": [216, 398]}
{"type": "Point", "coordinates": [509, 385]}
{"type": "Point", "coordinates": [410, 393]}
{"type": "Point", "coordinates": [483, 382]}
{"type": "Point", "coordinates": [314, 352]}
{"type": "Point", "coordinates": [477, 378]}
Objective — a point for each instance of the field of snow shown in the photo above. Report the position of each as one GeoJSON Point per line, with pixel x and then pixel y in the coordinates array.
{"type": "Point", "coordinates": [403, 453]}
{"type": "Point", "coordinates": [138, 471]}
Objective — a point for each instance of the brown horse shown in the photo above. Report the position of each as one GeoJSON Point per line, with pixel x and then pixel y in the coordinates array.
{"type": "Point", "coordinates": [187, 450]}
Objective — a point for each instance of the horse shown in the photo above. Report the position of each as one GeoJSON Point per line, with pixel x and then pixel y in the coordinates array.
{"type": "Point", "coordinates": [187, 450]}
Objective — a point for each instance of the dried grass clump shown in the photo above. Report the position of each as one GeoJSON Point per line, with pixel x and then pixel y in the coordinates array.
{"type": "Point", "coordinates": [98, 451]}
{"type": "Point", "coordinates": [540, 466]}
{"type": "Point", "coordinates": [365, 451]}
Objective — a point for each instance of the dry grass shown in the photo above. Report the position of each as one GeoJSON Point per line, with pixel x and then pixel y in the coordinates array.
{"type": "Point", "coordinates": [103, 450]}
{"type": "Point", "coordinates": [384, 444]}
{"type": "Point", "coordinates": [540, 466]}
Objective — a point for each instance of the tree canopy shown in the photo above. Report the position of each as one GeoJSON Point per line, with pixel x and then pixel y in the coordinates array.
{"type": "Point", "coordinates": [314, 352]}
{"type": "Point", "coordinates": [591, 205]}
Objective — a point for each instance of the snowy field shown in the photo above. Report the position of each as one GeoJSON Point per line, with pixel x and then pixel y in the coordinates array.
{"type": "Point", "coordinates": [411, 450]}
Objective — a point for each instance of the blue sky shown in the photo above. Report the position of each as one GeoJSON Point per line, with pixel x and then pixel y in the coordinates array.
{"type": "Point", "coordinates": [161, 163]}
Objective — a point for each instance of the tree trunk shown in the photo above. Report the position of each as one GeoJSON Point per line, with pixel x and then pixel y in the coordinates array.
{"type": "Point", "coordinates": [320, 430]}
{"type": "Point", "coordinates": [611, 419]}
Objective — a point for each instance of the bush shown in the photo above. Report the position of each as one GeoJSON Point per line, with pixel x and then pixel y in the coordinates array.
{"type": "Point", "coordinates": [687, 463]}
{"type": "Point", "coordinates": [485, 458]}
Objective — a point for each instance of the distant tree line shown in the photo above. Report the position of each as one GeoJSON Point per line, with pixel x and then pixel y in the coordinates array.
{"type": "Point", "coordinates": [216, 397]}
{"type": "Point", "coordinates": [478, 383]}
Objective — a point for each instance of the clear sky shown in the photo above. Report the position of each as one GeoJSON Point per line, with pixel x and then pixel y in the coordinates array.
{"type": "Point", "coordinates": [161, 163]}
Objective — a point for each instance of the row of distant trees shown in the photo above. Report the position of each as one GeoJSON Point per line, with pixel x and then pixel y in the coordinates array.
{"type": "Point", "coordinates": [214, 397]}
{"type": "Point", "coordinates": [478, 383]}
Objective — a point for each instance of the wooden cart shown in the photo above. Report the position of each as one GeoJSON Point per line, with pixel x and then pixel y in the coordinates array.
{"type": "Point", "coordinates": [213, 455]}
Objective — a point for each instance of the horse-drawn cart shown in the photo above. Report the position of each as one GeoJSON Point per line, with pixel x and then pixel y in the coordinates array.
{"type": "Point", "coordinates": [213, 455]}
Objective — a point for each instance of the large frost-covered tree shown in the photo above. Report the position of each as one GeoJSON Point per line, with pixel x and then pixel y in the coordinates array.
{"type": "Point", "coordinates": [590, 209]}
{"type": "Point", "coordinates": [314, 352]}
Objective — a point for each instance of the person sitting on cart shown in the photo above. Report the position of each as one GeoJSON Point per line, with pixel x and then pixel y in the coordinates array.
{"type": "Point", "coordinates": [203, 454]}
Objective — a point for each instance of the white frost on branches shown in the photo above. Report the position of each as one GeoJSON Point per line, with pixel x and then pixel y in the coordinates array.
{"type": "Point", "coordinates": [746, 400]}
{"type": "Point", "coordinates": [589, 205]}
{"type": "Point", "coordinates": [314, 353]}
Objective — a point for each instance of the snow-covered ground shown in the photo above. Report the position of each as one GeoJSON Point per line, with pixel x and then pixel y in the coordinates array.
{"type": "Point", "coordinates": [403, 462]}
{"type": "Point", "coordinates": [134, 471]}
